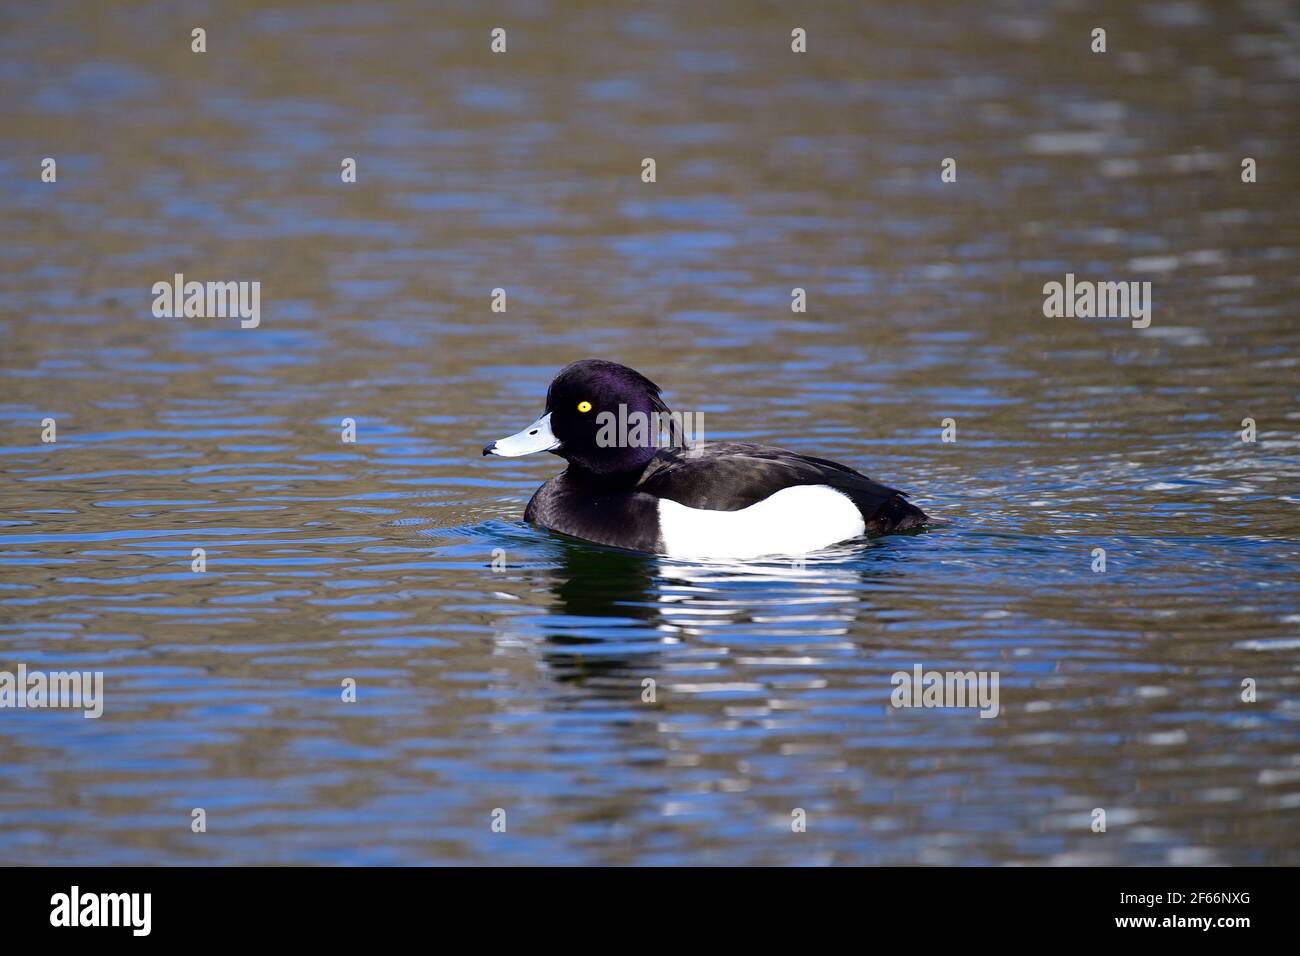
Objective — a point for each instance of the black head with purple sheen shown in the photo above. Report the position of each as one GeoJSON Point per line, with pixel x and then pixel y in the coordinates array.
{"type": "Point", "coordinates": [605, 416]}
{"type": "Point", "coordinates": [600, 416]}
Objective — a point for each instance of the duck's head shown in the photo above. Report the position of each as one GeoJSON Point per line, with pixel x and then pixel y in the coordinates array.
{"type": "Point", "coordinates": [582, 419]}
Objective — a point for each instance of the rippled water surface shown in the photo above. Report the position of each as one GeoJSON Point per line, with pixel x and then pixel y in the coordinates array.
{"type": "Point", "coordinates": [520, 686]}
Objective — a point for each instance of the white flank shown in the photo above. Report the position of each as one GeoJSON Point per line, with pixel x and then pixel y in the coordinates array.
{"type": "Point", "coordinates": [791, 521]}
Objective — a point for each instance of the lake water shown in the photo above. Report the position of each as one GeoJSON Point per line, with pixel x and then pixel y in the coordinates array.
{"type": "Point", "coordinates": [519, 687]}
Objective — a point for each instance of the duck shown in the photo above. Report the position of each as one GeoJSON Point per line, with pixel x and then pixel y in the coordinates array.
{"type": "Point", "coordinates": [652, 490]}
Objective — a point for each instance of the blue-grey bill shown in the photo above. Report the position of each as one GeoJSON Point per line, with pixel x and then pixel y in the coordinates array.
{"type": "Point", "coordinates": [536, 437]}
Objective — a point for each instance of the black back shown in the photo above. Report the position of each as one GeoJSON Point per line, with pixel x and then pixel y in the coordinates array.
{"type": "Point", "coordinates": [728, 476]}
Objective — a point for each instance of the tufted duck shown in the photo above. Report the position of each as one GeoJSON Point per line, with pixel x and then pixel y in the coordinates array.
{"type": "Point", "coordinates": [706, 500]}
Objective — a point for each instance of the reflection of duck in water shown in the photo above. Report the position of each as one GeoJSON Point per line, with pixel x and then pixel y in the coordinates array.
{"type": "Point", "coordinates": [641, 596]}
{"type": "Point", "coordinates": [616, 614]}
{"type": "Point", "coordinates": [728, 499]}
{"type": "Point", "coordinates": [599, 582]}
{"type": "Point", "coordinates": [603, 596]}
{"type": "Point", "coordinates": [697, 596]}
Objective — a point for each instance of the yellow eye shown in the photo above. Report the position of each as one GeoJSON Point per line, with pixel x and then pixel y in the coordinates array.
{"type": "Point", "coordinates": [584, 406]}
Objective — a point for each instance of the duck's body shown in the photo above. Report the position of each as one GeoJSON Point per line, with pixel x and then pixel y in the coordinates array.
{"type": "Point", "coordinates": [722, 500]}
{"type": "Point", "coordinates": [727, 499]}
